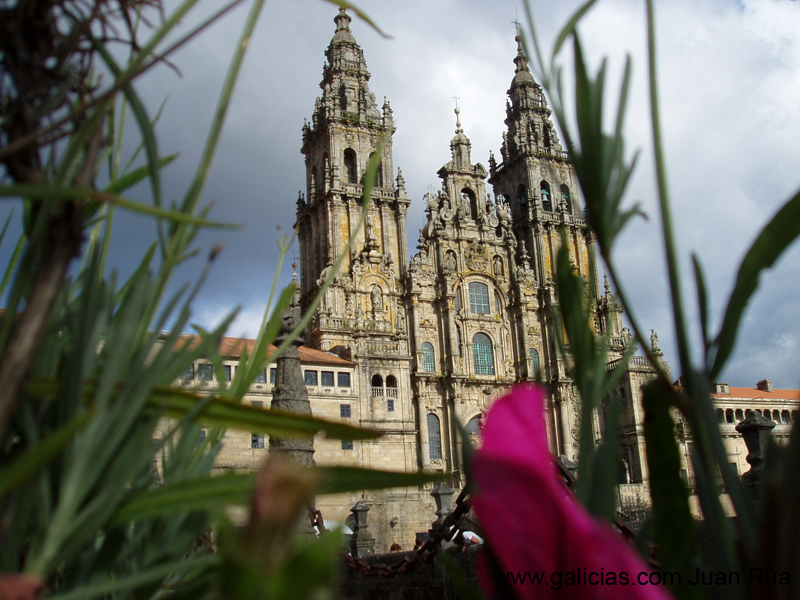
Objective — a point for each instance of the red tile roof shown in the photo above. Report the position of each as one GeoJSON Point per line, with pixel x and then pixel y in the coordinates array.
{"type": "Point", "coordinates": [741, 392]}
{"type": "Point", "coordinates": [231, 347]}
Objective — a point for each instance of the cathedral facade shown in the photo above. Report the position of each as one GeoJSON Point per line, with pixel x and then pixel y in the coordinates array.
{"type": "Point", "coordinates": [436, 339]}
{"type": "Point", "coordinates": [411, 345]}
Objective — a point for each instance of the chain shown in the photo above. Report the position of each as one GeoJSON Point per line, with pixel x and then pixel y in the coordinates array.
{"type": "Point", "coordinates": [446, 531]}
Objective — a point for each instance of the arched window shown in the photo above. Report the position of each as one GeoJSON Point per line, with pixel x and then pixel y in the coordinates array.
{"type": "Point", "coordinates": [565, 198]}
{"type": "Point", "coordinates": [428, 358]}
{"type": "Point", "coordinates": [434, 437]}
{"type": "Point", "coordinates": [479, 298]}
{"type": "Point", "coordinates": [377, 385]}
{"type": "Point", "coordinates": [720, 415]}
{"type": "Point", "coordinates": [776, 416]}
{"type": "Point", "coordinates": [482, 354]}
{"type": "Point", "coordinates": [312, 187]}
{"type": "Point", "coordinates": [468, 197]}
{"type": "Point", "coordinates": [522, 195]}
{"type": "Point", "coordinates": [785, 416]}
{"type": "Point", "coordinates": [473, 426]}
{"type": "Point", "coordinates": [351, 165]}
{"type": "Point", "coordinates": [739, 414]}
{"type": "Point", "coordinates": [391, 386]}
{"type": "Point", "coordinates": [547, 203]}
{"type": "Point", "coordinates": [533, 353]}
{"type": "Point", "coordinates": [729, 415]}
{"type": "Point", "coordinates": [498, 304]}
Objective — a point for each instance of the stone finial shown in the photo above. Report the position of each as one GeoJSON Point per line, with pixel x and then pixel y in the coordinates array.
{"type": "Point", "coordinates": [361, 542]}
{"type": "Point", "coordinates": [443, 496]}
{"type": "Point", "coordinates": [401, 184]}
{"type": "Point", "coordinates": [756, 431]}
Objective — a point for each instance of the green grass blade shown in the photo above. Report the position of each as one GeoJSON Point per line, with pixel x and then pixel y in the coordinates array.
{"type": "Point", "coordinates": [128, 180]}
{"type": "Point", "coordinates": [34, 459]}
{"type": "Point", "coordinates": [147, 577]}
{"type": "Point", "coordinates": [673, 525]}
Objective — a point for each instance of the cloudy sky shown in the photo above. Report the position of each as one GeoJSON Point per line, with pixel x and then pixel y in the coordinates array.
{"type": "Point", "coordinates": [730, 90]}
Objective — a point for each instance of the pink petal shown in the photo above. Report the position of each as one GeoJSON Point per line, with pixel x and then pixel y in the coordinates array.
{"type": "Point", "coordinates": [534, 524]}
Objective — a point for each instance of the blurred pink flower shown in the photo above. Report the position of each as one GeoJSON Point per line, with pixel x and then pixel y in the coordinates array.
{"type": "Point", "coordinates": [535, 525]}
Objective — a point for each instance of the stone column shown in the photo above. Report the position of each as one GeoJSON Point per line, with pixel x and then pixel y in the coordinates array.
{"type": "Point", "coordinates": [361, 542]}
{"type": "Point", "coordinates": [443, 496]}
{"type": "Point", "coordinates": [756, 431]}
{"type": "Point", "coordinates": [290, 394]}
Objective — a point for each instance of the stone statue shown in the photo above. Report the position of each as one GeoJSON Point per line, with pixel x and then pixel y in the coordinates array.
{"type": "Point", "coordinates": [377, 301]}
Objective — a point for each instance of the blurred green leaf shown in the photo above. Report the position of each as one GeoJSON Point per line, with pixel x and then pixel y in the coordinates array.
{"type": "Point", "coordinates": [175, 403]}
{"type": "Point", "coordinates": [34, 459]}
{"type": "Point", "coordinates": [349, 479]}
{"type": "Point", "coordinates": [673, 525]}
{"type": "Point", "coordinates": [54, 192]}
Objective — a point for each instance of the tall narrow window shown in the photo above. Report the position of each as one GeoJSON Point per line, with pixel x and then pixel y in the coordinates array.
{"type": "Point", "coordinates": [547, 203]}
{"type": "Point", "coordinates": [482, 354]}
{"type": "Point", "coordinates": [350, 166]}
{"type": "Point", "coordinates": [479, 298]}
{"type": "Point", "coordinates": [498, 304]}
{"type": "Point", "coordinates": [458, 341]}
{"type": "Point", "coordinates": [565, 198]}
{"type": "Point", "coordinates": [522, 195]}
{"type": "Point", "coordinates": [533, 353]}
{"type": "Point", "coordinates": [428, 358]}
{"type": "Point", "coordinates": [457, 301]}
{"type": "Point", "coordinates": [379, 174]}
{"type": "Point", "coordinates": [434, 437]}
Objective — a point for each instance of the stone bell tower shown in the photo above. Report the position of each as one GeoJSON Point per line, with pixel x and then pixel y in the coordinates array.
{"type": "Point", "coordinates": [362, 316]}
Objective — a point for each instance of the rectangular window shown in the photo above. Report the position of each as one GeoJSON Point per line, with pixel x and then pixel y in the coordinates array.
{"type": "Point", "coordinates": [205, 372]}
{"type": "Point", "coordinates": [261, 377]}
{"type": "Point", "coordinates": [390, 405]}
{"type": "Point", "coordinates": [327, 378]}
{"type": "Point", "coordinates": [479, 298]}
{"type": "Point", "coordinates": [227, 370]}
{"type": "Point", "coordinates": [344, 380]}
{"type": "Point", "coordinates": [188, 374]}
{"type": "Point", "coordinates": [311, 378]}
{"type": "Point", "coordinates": [347, 444]}
{"type": "Point", "coordinates": [202, 434]}
{"type": "Point", "coordinates": [257, 439]}
{"type": "Point", "coordinates": [272, 373]}
{"type": "Point", "coordinates": [344, 411]}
